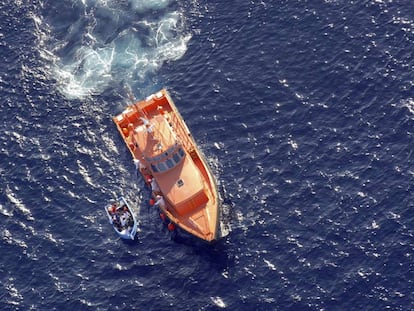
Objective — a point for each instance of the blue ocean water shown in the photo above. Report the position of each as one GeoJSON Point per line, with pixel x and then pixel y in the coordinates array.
{"type": "Point", "coordinates": [305, 110]}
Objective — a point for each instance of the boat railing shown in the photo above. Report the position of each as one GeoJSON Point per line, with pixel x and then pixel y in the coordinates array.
{"type": "Point", "coordinates": [182, 133]}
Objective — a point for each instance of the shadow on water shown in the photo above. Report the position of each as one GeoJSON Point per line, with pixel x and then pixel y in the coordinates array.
{"type": "Point", "coordinates": [130, 243]}
{"type": "Point", "coordinates": [215, 253]}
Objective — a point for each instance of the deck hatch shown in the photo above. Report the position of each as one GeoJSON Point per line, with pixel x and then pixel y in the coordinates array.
{"type": "Point", "coordinates": [180, 183]}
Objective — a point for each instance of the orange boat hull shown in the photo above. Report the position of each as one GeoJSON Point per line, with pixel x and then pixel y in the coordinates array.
{"type": "Point", "coordinates": [157, 137]}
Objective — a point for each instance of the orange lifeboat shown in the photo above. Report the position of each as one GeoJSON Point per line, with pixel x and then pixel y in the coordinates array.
{"type": "Point", "coordinates": [169, 160]}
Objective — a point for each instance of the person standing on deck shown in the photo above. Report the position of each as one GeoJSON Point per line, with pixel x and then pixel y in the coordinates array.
{"type": "Point", "coordinates": [160, 201]}
{"type": "Point", "coordinates": [154, 186]}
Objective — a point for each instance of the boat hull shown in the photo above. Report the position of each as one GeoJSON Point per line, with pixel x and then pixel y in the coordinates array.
{"type": "Point", "coordinates": [159, 140]}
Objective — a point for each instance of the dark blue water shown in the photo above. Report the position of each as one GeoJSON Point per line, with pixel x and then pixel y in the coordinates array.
{"type": "Point", "coordinates": [305, 110]}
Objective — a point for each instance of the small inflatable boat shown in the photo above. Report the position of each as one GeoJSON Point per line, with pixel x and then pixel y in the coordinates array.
{"type": "Point", "coordinates": [122, 218]}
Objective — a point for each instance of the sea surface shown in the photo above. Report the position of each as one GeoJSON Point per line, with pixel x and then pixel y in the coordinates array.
{"type": "Point", "coordinates": [304, 109]}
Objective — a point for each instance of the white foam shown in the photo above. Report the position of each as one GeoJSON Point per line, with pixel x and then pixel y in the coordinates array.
{"type": "Point", "coordinates": [129, 56]}
{"type": "Point", "coordinates": [84, 172]}
{"type": "Point", "coordinates": [269, 264]}
{"type": "Point", "coordinates": [16, 296]}
{"type": "Point", "coordinates": [8, 238]}
{"type": "Point", "coordinates": [218, 302]}
{"type": "Point", "coordinates": [12, 196]}
{"type": "Point", "coordinates": [140, 6]}
{"type": "Point", "coordinates": [89, 72]}
{"type": "Point", "coordinates": [5, 211]}
{"type": "Point", "coordinates": [409, 103]}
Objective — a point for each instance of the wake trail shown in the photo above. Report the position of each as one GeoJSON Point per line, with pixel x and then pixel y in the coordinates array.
{"type": "Point", "coordinates": [95, 45]}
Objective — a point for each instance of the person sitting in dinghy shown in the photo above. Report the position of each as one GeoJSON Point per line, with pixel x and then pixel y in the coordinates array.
{"type": "Point", "coordinates": [125, 218]}
{"type": "Point", "coordinates": [123, 221]}
{"type": "Point", "coordinates": [115, 216]}
{"type": "Point", "coordinates": [112, 211]}
{"type": "Point", "coordinates": [129, 218]}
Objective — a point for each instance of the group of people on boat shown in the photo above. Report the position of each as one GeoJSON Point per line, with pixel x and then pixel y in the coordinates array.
{"type": "Point", "coordinates": [149, 179]}
{"type": "Point", "coordinates": [121, 217]}
{"type": "Point", "coordinates": [157, 198]}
